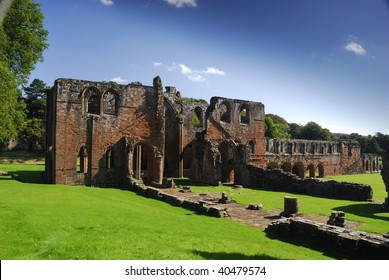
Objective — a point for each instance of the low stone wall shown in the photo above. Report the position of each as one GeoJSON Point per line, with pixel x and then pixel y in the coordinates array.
{"type": "Point", "coordinates": [278, 180]}
{"type": "Point", "coordinates": [353, 244]}
{"type": "Point", "coordinates": [201, 207]}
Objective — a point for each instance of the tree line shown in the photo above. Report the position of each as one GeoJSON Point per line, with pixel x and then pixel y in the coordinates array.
{"type": "Point", "coordinates": [278, 127]}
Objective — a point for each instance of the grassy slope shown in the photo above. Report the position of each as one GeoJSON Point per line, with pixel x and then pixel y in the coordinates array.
{"type": "Point", "coordinates": [63, 222]}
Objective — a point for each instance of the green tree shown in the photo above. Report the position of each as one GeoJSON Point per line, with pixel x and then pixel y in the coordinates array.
{"type": "Point", "coordinates": [295, 130]}
{"type": "Point", "coordinates": [33, 133]}
{"type": "Point", "coordinates": [11, 107]}
{"type": "Point", "coordinates": [276, 129]}
{"type": "Point", "coordinates": [23, 38]}
{"type": "Point", "coordinates": [313, 131]}
{"type": "Point", "coordinates": [22, 42]}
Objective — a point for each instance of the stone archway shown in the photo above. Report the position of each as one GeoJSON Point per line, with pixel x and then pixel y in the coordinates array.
{"type": "Point", "coordinates": [299, 170]}
{"type": "Point", "coordinates": [231, 176]}
{"type": "Point", "coordinates": [272, 166]}
{"type": "Point", "coordinates": [320, 167]}
{"type": "Point", "coordinates": [287, 167]}
{"type": "Point", "coordinates": [311, 171]}
{"type": "Point", "coordinates": [143, 162]}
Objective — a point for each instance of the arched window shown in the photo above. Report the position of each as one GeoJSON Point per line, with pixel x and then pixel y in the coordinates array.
{"type": "Point", "coordinates": [225, 112]}
{"type": "Point", "coordinates": [82, 160]}
{"type": "Point", "coordinates": [92, 98]}
{"type": "Point", "coordinates": [110, 103]}
{"type": "Point", "coordinates": [244, 114]}
{"type": "Point", "coordinates": [197, 117]}
{"type": "Point", "coordinates": [110, 158]}
{"type": "Point", "coordinates": [252, 145]}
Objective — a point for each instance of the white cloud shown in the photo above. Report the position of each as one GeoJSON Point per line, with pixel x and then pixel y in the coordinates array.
{"type": "Point", "coordinates": [193, 75]}
{"type": "Point", "coordinates": [196, 78]}
{"type": "Point", "coordinates": [119, 80]}
{"type": "Point", "coordinates": [214, 71]}
{"type": "Point", "coordinates": [356, 48]}
{"type": "Point", "coordinates": [182, 3]}
{"type": "Point", "coordinates": [185, 69]}
{"type": "Point", "coordinates": [107, 2]}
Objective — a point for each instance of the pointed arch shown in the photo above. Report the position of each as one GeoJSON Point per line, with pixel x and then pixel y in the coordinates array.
{"type": "Point", "coordinates": [244, 114]}
{"type": "Point", "coordinates": [311, 171]}
{"type": "Point", "coordinates": [197, 117]}
{"type": "Point", "coordinates": [110, 102]}
{"type": "Point", "coordinates": [92, 101]}
{"type": "Point", "coordinates": [286, 167]}
{"type": "Point", "coordinates": [82, 160]}
{"type": "Point", "coordinates": [225, 112]}
{"type": "Point", "coordinates": [299, 170]}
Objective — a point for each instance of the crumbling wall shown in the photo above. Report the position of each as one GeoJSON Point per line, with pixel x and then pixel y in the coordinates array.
{"type": "Point", "coordinates": [278, 180]}
{"type": "Point", "coordinates": [385, 176]}
{"type": "Point", "coordinates": [370, 163]}
{"type": "Point", "coordinates": [240, 121]}
{"type": "Point", "coordinates": [206, 165]}
{"type": "Point", "coordinates": [352, 244]}
{"type": "Point", "coordinates": [318, 158]}
{"type": "Point", "coordinates": [95, 117]}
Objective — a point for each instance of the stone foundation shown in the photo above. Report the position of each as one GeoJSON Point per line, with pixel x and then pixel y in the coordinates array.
{"type": "Point", "coordinates": [201, 207]}
{"type": "Point", "coordinates": [353, 244]}
{"type": "Point", "coordinates": [278, 180]}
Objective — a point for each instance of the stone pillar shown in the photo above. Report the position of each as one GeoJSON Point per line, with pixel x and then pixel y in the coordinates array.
{"type": "Point", "coordinates": [385, 177]}
{"type": "Point", "coordinates": [181, 149]}
{"type": "Point", "coordinates": [138, 170]}
{"type": "Point", "coordinates": [158, 174]}
{"type": "Point", "coordinates": [291, 206]}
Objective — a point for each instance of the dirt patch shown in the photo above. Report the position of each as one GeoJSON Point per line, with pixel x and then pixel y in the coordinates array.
{"type": "Point", "coordinates": [256, 218]}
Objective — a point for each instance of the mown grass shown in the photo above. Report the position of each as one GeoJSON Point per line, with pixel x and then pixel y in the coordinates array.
{"type": "Point", "coordinates": [63, 222]}
{"type": "Point", "coordinates": [369, 214]}
{"type": "Point", "coordinates": [25, 172]}
{"type": "Point", "coordinates": [40, 221]}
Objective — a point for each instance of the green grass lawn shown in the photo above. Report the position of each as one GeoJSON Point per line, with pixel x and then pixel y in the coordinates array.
{"type": "Point", "coordinates": [40, 221]}
{"type": "Point", "coordinates": [63, 222]}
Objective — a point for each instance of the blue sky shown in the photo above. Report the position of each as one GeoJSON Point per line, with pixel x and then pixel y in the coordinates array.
{"type": "Point", "coordinates": [306, 60]}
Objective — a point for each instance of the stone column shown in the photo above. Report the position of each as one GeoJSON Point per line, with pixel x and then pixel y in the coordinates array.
{"type": "Point", "coordinates": [138, 171]}
{"type": "Point", "coordinates": [158, 174]}
{"type": "Point", "coordinates": [385, 177]}
{"type": "Point", "coordinates": [180, 151]}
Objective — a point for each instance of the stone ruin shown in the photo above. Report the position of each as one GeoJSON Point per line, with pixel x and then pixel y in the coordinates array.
{"type": "Point", "coordinates": [337, 218]}
{"type": "Point", "coordinates": [103, 134]}
{"type": "Point", "coordinates": [291, 207]}
{"type": "Point", "coordinates": [385, 177]}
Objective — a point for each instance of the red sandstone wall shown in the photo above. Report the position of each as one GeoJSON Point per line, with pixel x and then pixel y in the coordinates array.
{"type": "Point", "coordinates": [139, 115]}
{"type": "Point", "coordinates": [232, 128]}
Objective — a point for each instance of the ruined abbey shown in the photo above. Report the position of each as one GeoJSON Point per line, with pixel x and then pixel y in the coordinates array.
{"type": "Point", "coordinates": [103, 133]}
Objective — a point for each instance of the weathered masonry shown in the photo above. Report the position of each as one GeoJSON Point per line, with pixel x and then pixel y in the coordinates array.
{"type": "Point", "coordinates": [103, 133]}
{"type": "Point", "coordinates": [307, 158]}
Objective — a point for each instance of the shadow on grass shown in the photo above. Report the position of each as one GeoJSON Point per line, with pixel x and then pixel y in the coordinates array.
{"type": "Point", "coordinates": [311, 244]}
{"type": "Point", "coordinates": [27, 176]}
{"type": "Point", "coordinates": [231, 256]}
{"type": "Point", "coordinates": [364, 210]}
